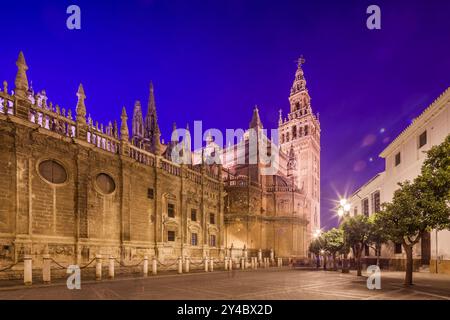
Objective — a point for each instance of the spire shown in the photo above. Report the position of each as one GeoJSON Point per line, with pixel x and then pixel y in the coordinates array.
{"type": "Point", "coordinates": [138, 121]}
{"type": "Point", "coordinates": [280, 119]}
{"type": "Point", "coordinates": [124, 126]}
{"type": "Point", "coordinates": [151, 118]}
{"type": "Point", "coordinates": [21, 81]}
{"type": "Point", "coordinates": [299, 97]}
{"type": "Point", "coordinates": [174, 135]}
{"type": "Point", "coordinates": [256, 121]}
{"type": "Point", "coordinates": [81, 108]}
{"type": "Point", "coordinates": [299, 83]}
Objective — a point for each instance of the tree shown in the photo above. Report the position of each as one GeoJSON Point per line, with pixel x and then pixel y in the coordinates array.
{"type": "Point", "coordinates": [377, 235]}
{"type": "Point", "coordinates": [420, 206]}
{"type": "Point", "coordinates": [334, 241]}
{"type": "Point", "coordinates": [357, 235]}
{"type": "Point", "coordinates": [315, 247]}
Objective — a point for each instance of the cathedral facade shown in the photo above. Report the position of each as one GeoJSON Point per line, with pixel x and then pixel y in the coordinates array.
{"type": "Point", "coordinates": [74, 189]}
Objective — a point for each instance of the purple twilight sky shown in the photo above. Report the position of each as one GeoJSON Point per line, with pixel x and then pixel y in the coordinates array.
{"type": "Point", "coordinates": [214, 60]}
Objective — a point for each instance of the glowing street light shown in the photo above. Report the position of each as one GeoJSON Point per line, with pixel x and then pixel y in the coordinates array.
{"type": "Point", "coordinates": [343, 202]}
{"type": "Point", "coordinates": [317, 233]}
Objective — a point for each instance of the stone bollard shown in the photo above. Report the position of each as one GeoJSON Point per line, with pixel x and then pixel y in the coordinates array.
{"type": "Point", "coordinates": [154, 266]}
{"type": "Point", "coordinates": [111, 267]}
{"type": "Point", "coordinates": [266, 263]}
{"type": "Point", "coordinates": [206, 264]}
{"type": "Point", "coordinates": [180, 265]}
{"type": "Point", "coordinates": [260, 256]}
{"type": "Point", "coordinates": [243, 263]}
{"type": "Point", "coordinates": [225, 263]}
{"type": "Point", "coordinates": [28, 270]}
{"type": "Point", "coordinates": [98, 267]}
{"type": "Point", "coordinates": [211, 264]}
{"type": "Point", "coordinates": [186, 264]}
{"type": "Point", "coordinates": [230, 264]}
{"type": "Point", "coordinates": [256, 262]}
{"type": "Point", "coordinates": [46, 269]}
{"type": "Point", "coordinates": [145, 267]}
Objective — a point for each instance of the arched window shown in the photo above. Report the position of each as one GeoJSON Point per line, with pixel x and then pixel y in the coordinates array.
{"type": "Point", "coordinates": [287, 136]}
{"type": "Point", "coordinates": [294, 132]}
{"type": "Point", "coordinates": [282, 138]}
{"type": "Point", "coordinates": [297, 105]}
{"type": "Point", "coordinates": [105, 183]}
{"type": "Point", "coordinates": [300, 131]}
{"type": "Point", "coordinates": [306, 130]}
{"type": "Point", "coordinates": [52, 172]}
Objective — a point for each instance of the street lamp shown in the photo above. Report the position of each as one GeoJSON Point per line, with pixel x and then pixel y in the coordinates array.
{"type": "Point", "coordinates": [343, 211]}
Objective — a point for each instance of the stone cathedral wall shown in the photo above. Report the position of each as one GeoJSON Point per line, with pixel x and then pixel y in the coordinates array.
{"type": "Point", "coordinates": [82, 216]}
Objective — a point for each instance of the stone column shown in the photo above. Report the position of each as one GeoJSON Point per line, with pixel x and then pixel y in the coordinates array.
{"type": "Point", "coordinates": [186, 265]}
{"type": "Point", "coordinates": [225, 261]}
{"type": "Point", "coordinates": [145, 267]}
{"type": "Point", "coordinates": [46, 269]}
{"type": "Point", "coordinates": [111, 267]}
{"type": "Point", "coordinates": [27, 270]}
{"type": "Point", "coordinates": [260, 255]}
{"type": "Point", "coordinates": [206, 264]}
{"type": "Point", "coordinates": [98, 267]}
{"type": "Point", "coordinates": [180, 265]}
{"type": "Point", "coordinates": [154, 266]}
{"type": "Point", "coordinates": [211, 264]}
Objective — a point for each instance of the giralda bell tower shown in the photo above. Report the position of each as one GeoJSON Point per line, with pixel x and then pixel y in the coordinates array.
{"type": "Point", "coordinates": [299, 136]}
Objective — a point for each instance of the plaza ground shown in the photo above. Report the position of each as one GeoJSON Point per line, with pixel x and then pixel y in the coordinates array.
{"type": "Point", "coordinates": [283, 284]}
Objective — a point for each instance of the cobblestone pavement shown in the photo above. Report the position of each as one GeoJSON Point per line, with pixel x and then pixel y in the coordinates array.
{"type": "Point", "coordinates": [285, 284]}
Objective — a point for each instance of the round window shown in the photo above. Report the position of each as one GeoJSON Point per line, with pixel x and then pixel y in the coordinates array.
{"type": "Point", "coordinates": [53, 172]}
{"type": "Point", "coordinates": [105, 183]}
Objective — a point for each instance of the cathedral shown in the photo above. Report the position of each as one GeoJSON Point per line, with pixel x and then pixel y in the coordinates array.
{"type": "Point", "coordinates": [73, 188]}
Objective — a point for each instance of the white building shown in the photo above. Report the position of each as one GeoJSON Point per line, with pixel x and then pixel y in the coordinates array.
{"type": "Point", "coordinates": [403, 161]}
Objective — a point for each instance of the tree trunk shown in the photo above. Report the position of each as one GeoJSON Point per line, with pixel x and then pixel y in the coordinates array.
{"type": "Point", "coordinates": [409, 264]}
{"type": "Point", "coordinates": [324, 262]}
{"type": "Point", "coordinates": [358, 262]}
{"type": "Point", "coordinates": [378, 249]}
{"type": "Point", "coordinates": [334, 262]}
{"type": "Point", "coordinates": [317, 261]}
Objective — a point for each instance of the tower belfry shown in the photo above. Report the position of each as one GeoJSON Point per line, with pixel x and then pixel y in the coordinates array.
{"type": "Point", "coordinates": [300, 139]}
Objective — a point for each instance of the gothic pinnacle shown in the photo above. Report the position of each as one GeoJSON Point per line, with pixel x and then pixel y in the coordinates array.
{"type": "Point", "coordinates": [21, 81]}
{"type": "Point", "coordinates": [124, 126]}
{"type": "Point", "coordinates": [81, 107]}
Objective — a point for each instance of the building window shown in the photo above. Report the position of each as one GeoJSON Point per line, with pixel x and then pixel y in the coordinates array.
{"type": "Point", "coordinates": [398, 248]}
{"type": "Point", "coordinates": [287, 136]}
{"type": "Point", "coordinates": [150, 193]}
{"type": "Point", "coordinates": [170, 235]}
{"type": "Point", "coordinates": [194, 239]}
{"type": "Point", "coordinates": [423, 139]}
{"type": "Point", "coordinates": [52, 172]}
{"type": "Point", "coordinates": [300, 131]}
{"type": "Point", "coordinates": [365, 207]}
{"type": "Point", "coordinates": [294, 132]}
{"type": "Point", "coordinates": [306, 130]}
{"type": "Point", "coordinates": [282, 138]}
{"type": "Point", "coordinates": [171, 210]}
{"type": "Point", "coordinates": [297, 105]}
{"type": "Point", "coordinates": [397, 159]}
{"type": "Point", "coordinates": [376, 201]}
{"type": "Point", "coordinates": [193, 215]}
{"type": "Point", "coordinates": [212, 218]}
{"type": "Point", "coordinates": [212, 240]}
{"type": "Point", "coordinates": [355, 211]}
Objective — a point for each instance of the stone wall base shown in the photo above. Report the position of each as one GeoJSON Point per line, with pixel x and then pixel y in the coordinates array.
{"type": "Point", "coordinates": [443, 266]}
